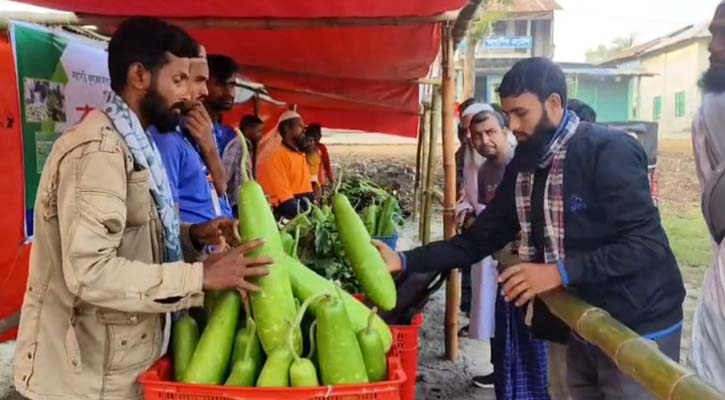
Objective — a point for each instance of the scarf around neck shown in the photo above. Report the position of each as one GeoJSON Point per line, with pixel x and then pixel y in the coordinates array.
{"type": "Point", "coordinates": [146, 156]}
{"type": "Point", "coordinates": [553, 158]}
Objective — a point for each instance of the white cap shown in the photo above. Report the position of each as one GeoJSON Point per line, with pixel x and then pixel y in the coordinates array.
{"type": "Point", "coordinates": [287, 115]}
{"type": "Point", "coordinates": [475, 108]}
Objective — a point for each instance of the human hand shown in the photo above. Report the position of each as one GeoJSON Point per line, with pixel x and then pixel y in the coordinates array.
{"type": "Point", "coordinates": [217, 232]}
{"type": "Point", "coordinates": [469, 220]}
{"type": "Point", "coordinates": [390, 256]}
{"type": "Point", "coordinates": [200, 126]}
{"type": "Point", "coordinates": [231, 270]}
{"type": "Point", "coordinates": [521, 282]}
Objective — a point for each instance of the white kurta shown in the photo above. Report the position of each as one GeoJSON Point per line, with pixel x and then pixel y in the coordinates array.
{"type": "Point", "coordinates": [707, 351]}
{"type": "Point", "coordinates": [483, 274]}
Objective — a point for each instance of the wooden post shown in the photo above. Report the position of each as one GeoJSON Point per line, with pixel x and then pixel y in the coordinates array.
{"type": "Point", "coordinates": [448, 93]}
{"type": "Point", "coordinates": [419, 161]}
{"type": "Point", "coordinates": [435, 133]}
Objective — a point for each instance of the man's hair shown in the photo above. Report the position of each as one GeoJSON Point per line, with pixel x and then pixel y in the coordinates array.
{"type": "Point", "coordinates": [538, 76]}
{"type": "Point", "coordinates": [146, 41]}
{"type": "Point", "coordinates": [486, 115]}
{"type": "Point", "coordinates": [314, 130]}
{"type": "Point", "coordinates": [222, 67]}
{"type": "Point", "coordinates": [285, 126]}
{"type": "Point", "coordinates": [585, 112]}
{"type": "Point", "coordinates": [249, 121]}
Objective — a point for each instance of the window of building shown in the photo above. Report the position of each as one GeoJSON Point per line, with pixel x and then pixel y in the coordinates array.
{"type": "Point", "coordinates": [500, 28]}
{"type": "Point", "coordinates": [657, 108]}
{"type": "Point", "coordinates": [679, 104]}
{"type": "Point", "coordinates": [522, 28]}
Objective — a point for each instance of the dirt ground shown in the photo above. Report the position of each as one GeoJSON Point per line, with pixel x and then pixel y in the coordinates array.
{"type": "Point", "coordinates": [441, 379]}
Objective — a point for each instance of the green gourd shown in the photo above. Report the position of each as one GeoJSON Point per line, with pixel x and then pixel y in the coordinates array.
{"type": "Point", "coordinates": [366, 261]}
{"type": "Point", "coordinates": [307, 283]}
{"type": "Point", "coordinates": [185, 337]}
{"type": "Point", "coordinates": [210, 361]}
{"type": "Point", "coordinates": [376, 363]}
{"type": "Point", "coordinates": [340, 358]}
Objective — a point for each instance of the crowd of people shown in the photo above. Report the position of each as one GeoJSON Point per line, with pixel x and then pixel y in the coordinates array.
{"type": "Point", "coordinates": [568, 204]}
{"type": "Point", "coordinates": [135, 218]}
{"type": "Point", "coordinates": [136, 205]}
{"type": "Point", "coordinates": [565, 204]}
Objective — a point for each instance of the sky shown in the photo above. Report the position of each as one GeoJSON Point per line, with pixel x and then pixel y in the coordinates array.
{"type": "Point", "coordinates": [583, 24]}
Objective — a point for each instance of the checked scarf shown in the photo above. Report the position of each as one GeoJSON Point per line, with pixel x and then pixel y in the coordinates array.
{"type": "Point", "coordinates": [146, 155]}
{"type": "Point", "coordinates": [553, 197]}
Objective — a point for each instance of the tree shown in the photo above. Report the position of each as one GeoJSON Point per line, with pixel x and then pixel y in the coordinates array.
{"type": "Point", "coordinates": [480, 28]}
{"type": "Point", "coordinates": [603, 52]}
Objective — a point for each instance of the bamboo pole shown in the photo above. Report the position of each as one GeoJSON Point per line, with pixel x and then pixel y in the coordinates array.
{"type": "Point", "coordinates": [633, 355]}
{"type": "Point", "coordinates": [256, 104]}
{"type": "Point", "coordinates": [435, 133]}
{"type": "Point", "coordinates": [423, 133]}
{"type": "Point", "coordinates": [10, 322]}
{"type": "Point", "coordinates": [266, 23]}
{"type": "Point", "coordinates": [464, 20]}
{"type": "Point", "coordinates": [453, 286]}
{"type": "Point", "coordinates": [424, 166]}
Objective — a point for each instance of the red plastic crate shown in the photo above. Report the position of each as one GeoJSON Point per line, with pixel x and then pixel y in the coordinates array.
{"type": "Point", "coordinates": [406, 344]}
{"type": "Point", "coordinates": [157, 385]}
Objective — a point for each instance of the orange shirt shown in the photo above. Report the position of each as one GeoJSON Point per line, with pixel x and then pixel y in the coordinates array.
{"type": "Point", "coordinates": [315, 162]}
{"type": "Point", "coordinates": [284, 175]}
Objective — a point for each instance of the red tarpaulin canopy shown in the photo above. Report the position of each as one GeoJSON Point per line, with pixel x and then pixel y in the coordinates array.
{"type": "Point", "coordinates": [342, 77]}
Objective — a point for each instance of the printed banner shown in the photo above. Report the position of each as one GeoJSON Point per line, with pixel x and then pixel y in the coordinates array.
{"type": "Point", "coordinates": [61, 78]}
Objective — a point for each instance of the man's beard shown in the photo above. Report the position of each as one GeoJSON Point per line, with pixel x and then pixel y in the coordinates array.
{"type": "Point", "coordinates": [713, 80]}
{"type": "Point", "coordinates": [164, 118]}
{"type": "Point", "coordinates": [302, 144]}
{"type": "Point", "coordinates": [531, 151]}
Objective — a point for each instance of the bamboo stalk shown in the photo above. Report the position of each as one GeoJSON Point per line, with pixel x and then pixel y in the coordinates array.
{"type": "Point", "coordinates": [464, 20]}
{"type": "Point", "coordinates": [633, 355]}
{"type": "Point", "coordinates": [453, 286]}
{"type": "Point", "coordinates": [424, 167]}
{"type": "Point", "coordinates": [435, 133]}
{"type": "Point", "coordinates": [10, 322]}
{"type": "Point", "coordinates": [266, 23]}
{"type": "Point", "coordinates": [419, 160]}
{"type": "Point", "coordinates": [256, 104]}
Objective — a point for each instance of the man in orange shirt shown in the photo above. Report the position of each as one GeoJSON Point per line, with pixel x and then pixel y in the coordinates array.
{"type": "Point", "coordinates": [285, 174]}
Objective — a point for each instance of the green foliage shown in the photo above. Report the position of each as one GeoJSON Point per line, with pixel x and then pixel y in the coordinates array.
{"type": "Point", "coordinates": [689, 237]}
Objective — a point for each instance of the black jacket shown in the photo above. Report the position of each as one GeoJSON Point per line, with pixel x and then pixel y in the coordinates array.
{"type": "Point", "coordinates": [617, 254]}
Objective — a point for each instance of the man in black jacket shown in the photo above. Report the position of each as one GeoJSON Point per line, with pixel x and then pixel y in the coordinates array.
{"type": "Point", "coordinates": [579, 196]}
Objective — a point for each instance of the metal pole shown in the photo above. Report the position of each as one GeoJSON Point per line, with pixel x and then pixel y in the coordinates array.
{"type": "Point", "coordinates": [448, 93]}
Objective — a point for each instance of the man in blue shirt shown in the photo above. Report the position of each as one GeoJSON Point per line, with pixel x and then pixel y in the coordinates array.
{"type": "Point", "coordinates": [191, 156]}
{"type": "Point", "coordinates": [221, 90]}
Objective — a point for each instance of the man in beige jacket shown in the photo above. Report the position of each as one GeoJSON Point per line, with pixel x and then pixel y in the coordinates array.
{"type": "Point", "coordinates": [108, 264]}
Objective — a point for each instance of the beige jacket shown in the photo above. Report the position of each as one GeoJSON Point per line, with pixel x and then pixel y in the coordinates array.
{"type": "Point", "coordinates": [93, 314]}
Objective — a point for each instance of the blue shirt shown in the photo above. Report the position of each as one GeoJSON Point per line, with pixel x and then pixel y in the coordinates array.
{"type": "Point", "coordinates": [189, 178]}
{"type": "Point", "coordinates": [223, 135]}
